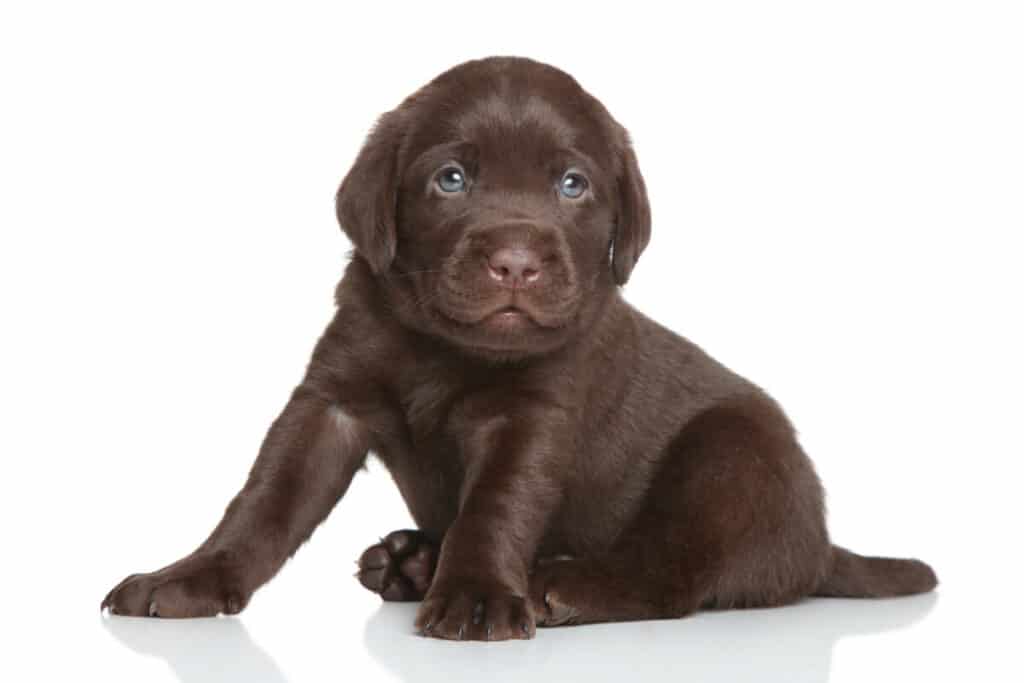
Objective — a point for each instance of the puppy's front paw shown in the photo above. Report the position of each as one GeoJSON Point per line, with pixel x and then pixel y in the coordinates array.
{"type": "Point", "coordinates": [195, 587]}
{"type": "Point", "coordinates": [468, 610]}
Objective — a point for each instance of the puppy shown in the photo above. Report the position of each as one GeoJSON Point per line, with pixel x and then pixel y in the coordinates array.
{"type": "Point", "coordinates": [566, 459]}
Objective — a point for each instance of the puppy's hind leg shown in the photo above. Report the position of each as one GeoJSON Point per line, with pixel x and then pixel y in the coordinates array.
{"type": "Point", "coordinates": [734, 518]}
{"type": "Point", "coordinates": [400, 567]}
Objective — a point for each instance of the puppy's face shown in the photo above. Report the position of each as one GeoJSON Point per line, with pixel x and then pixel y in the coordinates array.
{"type": "Point", "coordinates": [499, 206]}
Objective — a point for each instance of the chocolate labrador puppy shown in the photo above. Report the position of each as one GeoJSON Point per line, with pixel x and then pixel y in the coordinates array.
{"type": "Point", "coordinates": [566, 459]}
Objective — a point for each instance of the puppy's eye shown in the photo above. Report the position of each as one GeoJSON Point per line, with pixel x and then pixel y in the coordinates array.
{"type": "Point", "coordinates": [573, 185]}
{"type": "Point", "coordinates": [451, 179]}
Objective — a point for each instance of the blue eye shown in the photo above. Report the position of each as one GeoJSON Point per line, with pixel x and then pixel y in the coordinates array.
{"type": "Point", "coordinates": [451, 179]}
{"type": "Point", "coordinates": [573, 185]}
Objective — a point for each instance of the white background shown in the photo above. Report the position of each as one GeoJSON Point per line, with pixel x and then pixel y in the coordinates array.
{"type": "Point", "coordinates": [837, 192]}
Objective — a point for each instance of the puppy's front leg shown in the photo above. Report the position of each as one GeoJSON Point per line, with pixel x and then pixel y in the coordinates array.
{"type": "Point", "coordinates": [304, 466]}
{"type": "Point", "coordinates": [511, 487]}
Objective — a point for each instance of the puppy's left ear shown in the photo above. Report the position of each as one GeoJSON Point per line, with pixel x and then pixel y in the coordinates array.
{"type": "Point", "coordinates": [633, 227]}
{"type": "Point", "coordinates": [367, 200]}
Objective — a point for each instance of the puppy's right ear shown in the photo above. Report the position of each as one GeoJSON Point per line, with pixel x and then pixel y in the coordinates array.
{"type": "Point", "coordinates": [368, 197]}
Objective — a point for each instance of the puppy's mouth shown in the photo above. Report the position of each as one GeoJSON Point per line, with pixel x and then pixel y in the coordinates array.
{"type": "Point", "coordinates": [508, 316]}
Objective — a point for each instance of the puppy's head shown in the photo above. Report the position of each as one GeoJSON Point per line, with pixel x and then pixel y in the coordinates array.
{"type": "Point", "coordinates": [499, 207]}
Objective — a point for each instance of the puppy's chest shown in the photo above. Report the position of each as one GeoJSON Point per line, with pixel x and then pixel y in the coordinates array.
{"type": "Point", "coordinates": [443, 407]}
{"type": "Point", "coordinates": [427, 403]}
{"type": "Point", "coordinates": [435, 395]}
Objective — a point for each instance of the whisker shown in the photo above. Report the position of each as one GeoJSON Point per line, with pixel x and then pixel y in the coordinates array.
{"type": "Point", "coordinates": [415, 272]}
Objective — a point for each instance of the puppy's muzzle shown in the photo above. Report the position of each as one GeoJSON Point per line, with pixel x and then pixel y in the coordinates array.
{"type": "Point", "coordinates": [518, 255]}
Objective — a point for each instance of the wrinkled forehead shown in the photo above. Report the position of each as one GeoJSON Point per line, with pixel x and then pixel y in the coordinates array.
{"type": "Point", "coordinates": [497, 122]}
{"type": "Point", "coordinates": [511, 124]}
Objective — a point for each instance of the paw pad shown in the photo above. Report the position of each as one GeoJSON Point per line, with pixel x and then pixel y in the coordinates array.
{"type": "Point", "coordinates": [400, 567]}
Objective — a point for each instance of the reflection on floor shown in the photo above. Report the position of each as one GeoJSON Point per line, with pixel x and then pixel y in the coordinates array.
{"type": "Point", "coordinates": [198, 649]}
{"type": "Point", "coordinates": [785, 644]}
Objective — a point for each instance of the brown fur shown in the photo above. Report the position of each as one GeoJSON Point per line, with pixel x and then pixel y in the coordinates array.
{"type": "Point", "coordinates": [570, 461]}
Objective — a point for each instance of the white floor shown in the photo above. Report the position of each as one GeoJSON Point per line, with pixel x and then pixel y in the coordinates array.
{"type": "Point", "coordinates": [314, 622]}
{"type": "Point", "coordinates": [817, 641]}
{"type": "Point", "coordinates": [921, 638]}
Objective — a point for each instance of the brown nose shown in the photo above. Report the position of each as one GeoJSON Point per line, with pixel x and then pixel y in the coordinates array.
{"type": "Point", "coordinates": [514, 266]}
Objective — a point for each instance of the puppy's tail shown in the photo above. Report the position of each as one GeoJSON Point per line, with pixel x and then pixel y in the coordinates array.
{"type": "Point", "coordinates": [856, 576]}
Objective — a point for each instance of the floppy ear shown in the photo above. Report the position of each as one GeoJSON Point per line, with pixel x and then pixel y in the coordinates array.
{"type": "Point", "coordinates": [633, 228]}
{"type": "Point", "coordinates": [368, 197]}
